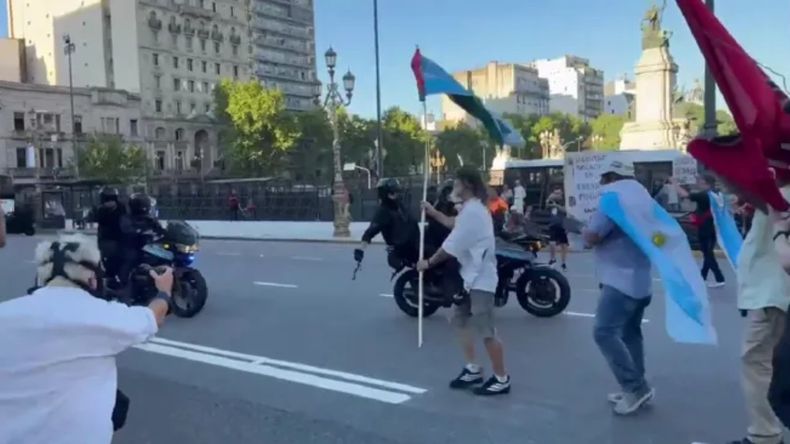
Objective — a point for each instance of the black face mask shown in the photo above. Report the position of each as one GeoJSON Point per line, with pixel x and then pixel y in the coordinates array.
{"type": "Point", "coordinates": [59, 260]}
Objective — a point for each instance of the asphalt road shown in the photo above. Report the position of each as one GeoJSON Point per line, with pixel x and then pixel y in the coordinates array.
{"type": "Point", "coordinates": [290, 350]}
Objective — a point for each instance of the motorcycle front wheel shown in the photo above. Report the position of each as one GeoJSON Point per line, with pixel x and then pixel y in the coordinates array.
{"type": "Point", "coordinates": [405, 294]}
{"type": "Point", "coordinates": [543, 292]}
{"type": "Point", "coordinates": [189, 294]}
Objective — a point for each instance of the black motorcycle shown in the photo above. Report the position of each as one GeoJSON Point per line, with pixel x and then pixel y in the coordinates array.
{"type": "Point", "coordinates": [541, 290]}
{"type": "Point", "coordinates": [175, 249]}
{"type": "Point", "coordinates": [20, 221]}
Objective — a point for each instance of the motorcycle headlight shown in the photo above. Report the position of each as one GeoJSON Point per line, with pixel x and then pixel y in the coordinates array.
{"type": "Point", "coordinates": [187, 249]}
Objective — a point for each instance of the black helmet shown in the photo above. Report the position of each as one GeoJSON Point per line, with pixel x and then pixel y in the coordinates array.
{"type": "Point", "coordinates": [139, 204]}
{"type": "Point", "coordinates": [108, 194]}
{"type": "Point", "coordinates": [386, 187]}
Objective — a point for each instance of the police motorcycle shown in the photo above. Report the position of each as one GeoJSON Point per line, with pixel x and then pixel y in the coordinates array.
{"type": "Point", "coordinates": [175, 248]}
{"type": "Point", "coordinates": [540, 290]}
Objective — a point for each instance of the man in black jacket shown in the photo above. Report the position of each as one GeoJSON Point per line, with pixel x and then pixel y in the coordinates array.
{"type": "Point", "coordinates": [109, 216]}
{"type": "Point", "coordinates": [393, 221]}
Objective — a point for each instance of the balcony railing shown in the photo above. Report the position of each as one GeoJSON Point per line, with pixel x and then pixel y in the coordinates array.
{"type": "Point", "coordinates": [235, 39]}
{"type": "Point", "coordinates": [155, 23]}
{"type": "Point", "coordinates": [44, 173]}
{"type": "Point", "coordinates": [204, 34]}
{"type": "Point", "coordinates": [174, 28]}
{"type": "Point", "coordinates": [282, 42]}
{"type": "Point", "coordinates": [217, 36]}
{"type": "Point", "coordinates": [196, 11]}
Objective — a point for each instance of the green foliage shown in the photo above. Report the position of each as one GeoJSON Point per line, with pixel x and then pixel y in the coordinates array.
{"type": "Point", "coordinates": [260, 131]}
{"type": "Point", "coordinates": [606, 132]}
{"type": "Point", "coordinates": [404, 142]}
{"type": "Point", "coordinates": [311, 158]}
{"type": "Point", "coordinates": [105, 158]}
{"type": "Point", "coordinates": [460, 140]}
{"type": "Point", "coordinates": [696, 113]}
{"type": "Point", "coordinates": [571, 128]}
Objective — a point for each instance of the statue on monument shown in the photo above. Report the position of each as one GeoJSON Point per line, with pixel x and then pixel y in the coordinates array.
{"type": "Point", "coordinates": [652, 34]}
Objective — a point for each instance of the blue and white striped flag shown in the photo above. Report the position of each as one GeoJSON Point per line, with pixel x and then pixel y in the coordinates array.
{"type": "Point", "coordinates": [727, 233]}
{"type": "Point", "coordinates": [628, 204]}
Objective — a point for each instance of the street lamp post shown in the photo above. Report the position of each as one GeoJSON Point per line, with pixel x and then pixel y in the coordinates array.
{"type": "Point", "coordinates": [69, 48]}
{"type": "Point", "coordinates": [710, 127]}
{"type": "Point", "coordinates": [335, 99]}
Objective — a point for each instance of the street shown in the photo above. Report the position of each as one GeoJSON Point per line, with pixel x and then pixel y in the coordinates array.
{"type": "Point", "coordinates": [290, 350]}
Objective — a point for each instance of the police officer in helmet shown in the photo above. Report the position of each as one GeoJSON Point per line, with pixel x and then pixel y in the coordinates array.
{"type": "Point", "coordinates": [141, 225]}
{"type": "Point", "coordinates": [393, 221]}
{"type": "Point", "coordinates": [109, 216]}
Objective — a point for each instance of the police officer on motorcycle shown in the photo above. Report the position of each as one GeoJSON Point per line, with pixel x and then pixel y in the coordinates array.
{"type": "Point", "coordinates": [109, 216]}
{"type": "Point", "coordinates": [393, 221]}
{"type": "Point", "coordinates": [141, 225]}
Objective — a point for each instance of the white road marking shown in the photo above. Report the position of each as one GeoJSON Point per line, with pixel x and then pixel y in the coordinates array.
{"type": "Point", "coordinates": [284, 370]}
{"type": "Point", "coordinates": [228, 253]}
{"type": "Point", "coordinates": [590, 315]}
{"type": "Point", "coordinates": [387, 295]}
{"type": "Point", "coordinates": [274, 284]}
{"type": "Point", "coordinates": [307, 258]}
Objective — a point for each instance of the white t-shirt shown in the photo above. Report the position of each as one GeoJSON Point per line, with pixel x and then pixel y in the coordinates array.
{"type": "Point", "coordinates": [472, 243]}
{"type": "Point", "coordinates": [57, 365]}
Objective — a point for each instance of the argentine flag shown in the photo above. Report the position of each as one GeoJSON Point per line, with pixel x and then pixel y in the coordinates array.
{"type": "Point", "coordinates": [628, 204]}
{"type": "Point", "coordinates": [727, 233]}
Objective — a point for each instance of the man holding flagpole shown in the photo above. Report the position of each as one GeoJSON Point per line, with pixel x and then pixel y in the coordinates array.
{"type": "Point", "coordinates": [472, 243]}
{"type": "Point", "coordinates": [626, 289]}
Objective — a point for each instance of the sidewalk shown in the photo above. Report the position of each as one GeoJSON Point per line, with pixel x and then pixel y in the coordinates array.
{"type": "Point", "coordinates": [295, 232]}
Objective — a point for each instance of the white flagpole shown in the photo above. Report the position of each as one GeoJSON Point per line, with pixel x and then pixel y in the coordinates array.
{"type": "Point", "coordinates": [426, 173]}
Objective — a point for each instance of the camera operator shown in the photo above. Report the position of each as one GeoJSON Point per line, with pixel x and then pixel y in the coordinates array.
{"type": "Point", "coordinates": [58, 376]}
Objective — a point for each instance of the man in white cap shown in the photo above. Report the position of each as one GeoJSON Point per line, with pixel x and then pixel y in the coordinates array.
{"type": "Point", "coordinates": [58, 377]}
{"type": "Point", "coordinates": [626, 283]}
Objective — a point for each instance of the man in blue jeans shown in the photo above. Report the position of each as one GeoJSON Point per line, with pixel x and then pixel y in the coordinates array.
{"type": "Point", "coordinates": [626, 282]}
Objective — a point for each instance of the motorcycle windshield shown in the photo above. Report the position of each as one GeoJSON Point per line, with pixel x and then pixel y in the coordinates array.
{"type": "Point", "coordinates": [158, 251]}
{"type": "Point", "coordinates": [512, 251]}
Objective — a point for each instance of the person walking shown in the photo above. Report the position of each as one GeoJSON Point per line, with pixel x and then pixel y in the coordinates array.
{"type": "Point", "coordinates": [557, 234]}
{"type": "Point", "coordinates": [706, 230]}
{"type": "Point", "coordinates": [626, 283]}
{"type": "Point", "coordinates": [764, 296]}
{"type": "Point", "coordinates": [519, 197]}
{"type": "Point", "coordinates": [472, 243]}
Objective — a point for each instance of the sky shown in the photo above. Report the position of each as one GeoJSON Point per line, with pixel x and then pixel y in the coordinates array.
{"type": "Point", "coordinates": [464, 34]}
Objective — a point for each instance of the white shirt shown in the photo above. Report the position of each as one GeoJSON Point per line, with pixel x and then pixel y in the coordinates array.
{"type": "Point", "coordinates": [472, 243]}
{"type": "Point", "coordinates": [519, 194]}
{"type": "Point", "coordinates": [57, 365]}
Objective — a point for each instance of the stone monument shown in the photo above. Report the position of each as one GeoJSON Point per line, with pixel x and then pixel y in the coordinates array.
{"type": "Point", "coordinates": [656, 74]}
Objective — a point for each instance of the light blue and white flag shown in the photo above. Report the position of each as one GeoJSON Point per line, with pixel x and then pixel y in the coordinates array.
{"type": "Point", "coordinates": [628, 204]}
{"type": "Point", "coordinates": [727, 233]}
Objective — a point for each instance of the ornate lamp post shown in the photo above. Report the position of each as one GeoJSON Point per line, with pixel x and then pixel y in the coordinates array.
{"type": "Point", "coordinates": [334, 99]}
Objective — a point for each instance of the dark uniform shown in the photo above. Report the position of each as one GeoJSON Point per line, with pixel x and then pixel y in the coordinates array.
{"type": "Point", "coordinates": [393, 221]}
{"type": "Point", "coordinates": [109, 216]}
{"type": "Point", "coordinates": [137, 229]}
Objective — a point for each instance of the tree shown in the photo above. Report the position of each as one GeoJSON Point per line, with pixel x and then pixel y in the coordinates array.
{"type": "Point", "coordinates": [460, 140]}
{"type": "Point", "coordinates": [259, 129]}
{"type": "Point", "coordinates": [405, 139]}
{"type": "Point", "coordinates": [606, 132]}
{"type": "Point", "coordinates": [311, 158]}
{"type": "Point", "coordinates": [357, 136]}
{"type": "Point", "coordinates": [696, 114]}
{"type": "Point", "coordinates": [106, 159]}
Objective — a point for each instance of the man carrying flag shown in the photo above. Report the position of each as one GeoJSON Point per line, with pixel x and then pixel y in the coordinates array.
{"type": "Point", "coordinates": [626, 284]}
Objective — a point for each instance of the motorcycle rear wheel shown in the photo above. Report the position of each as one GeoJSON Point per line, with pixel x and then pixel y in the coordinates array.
{"type": "Point", "coordinates": [190, 294]}
{"type": "Point", "coordinates": [532, 291]}
{"type": "Point", "coordinates": [406, 285]}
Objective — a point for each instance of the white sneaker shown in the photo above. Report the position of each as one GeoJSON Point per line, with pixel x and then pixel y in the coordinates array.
{"type": "Point", "coordinates": [716, 285]}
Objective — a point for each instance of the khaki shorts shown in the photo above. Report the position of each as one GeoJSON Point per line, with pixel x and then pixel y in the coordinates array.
{"type": "Point", "coordinates": [476, 315]}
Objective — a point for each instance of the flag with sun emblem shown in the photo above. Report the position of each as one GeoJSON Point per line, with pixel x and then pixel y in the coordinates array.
{"type": "Point", "coordinates": [628, 204]}
{"type": "Point", "coordinates": [727, 234]}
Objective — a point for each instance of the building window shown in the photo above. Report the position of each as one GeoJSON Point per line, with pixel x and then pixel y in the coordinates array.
{"type": "Point", "coordinates": [192, 107]}
{"type": "Point", "coordinates": [158, 81]}
{"type": "Point", "coordinates": [180, 161]}
{"type": "Point", "coordinates": [217, 68]}
{"type": "Point", "coordinates": [133, 127]}
{"type": "Point", "coordinates": [19, 121]}
{"type": "Point", "coordinates": [59, 152]}
{"type": "Point", "coordinates": [160, 160]}
{"type": "Point", "coordinates": [110, 125]}
{"type": "Point", "coordinates": [21, 157]}
{"type": "Point", "coordinates": [232, 12]}
{"type": "Point", "coordinates": [235, 50]}
{"type": "Point", "coordinates": [214, 6]}
{"type": "Point", "coordinates": [236, 71]}
{"type": "Point", "coordinates": [156, 59]}
{"type": "Point", "coordinates": [208, 107]}
{"type": "Point", "coordinates": [191, 84]}
{"type": "Point", "coordinates": [77, 124]}
{"type": "Point", "coordinates": [203, 45]}
{"type": "Point", "coordinates": [158, 105]}
{"type": "Point", "coordinates": [176, 84]}
{"type": "Point", "coordinates": [175, 62]}
{"type": "Point", "coordinates": [178, 107]}
{"type": "Point", "coordinates": [189, 65]}
{"type": "Point", "coordinates": [216, 47]}
{"type": "Point", "coordinates": [179, 134]}
{"type": "Point", "coordinates": [204, 66]}
{"type": "Point", "coordinates": [205, 87]}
